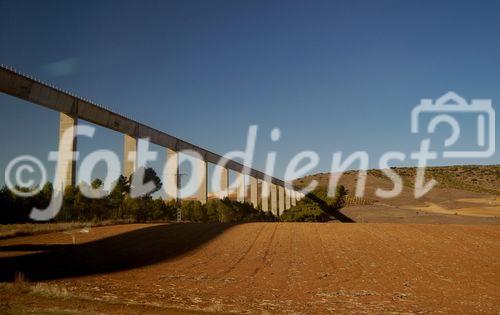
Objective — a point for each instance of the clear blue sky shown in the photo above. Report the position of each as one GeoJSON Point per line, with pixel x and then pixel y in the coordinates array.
{"type": "Point", "coordinates": [332, 75]}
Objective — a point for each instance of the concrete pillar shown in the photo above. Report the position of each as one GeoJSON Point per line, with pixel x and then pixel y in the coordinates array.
{"type": "Point", "coordinates": [171, 181]}
{"type": "Point", "coordinates": [66, 166]}
{"type": "Point", "coordinates": [224, 183]}
{"type": "Point", "coordinates": [301, 195]}
{"type": "Point", "coordinates": [129, 155]}
{"type": "Point", "coordinates": [265, 192]}
{"type": "Point", "coordinates": [201, 194]}
{"type": "Point", "coordinates": [293, 197]}
{"type": "Point", "coordinates": [274, 199]}
{"type": "Point", "coordinates": [253, 192]}
{"type": "Point", "coordinates": [287, 198]}
{"type": "Point", "coordinates": [240, 187]}
{"type": "Point", "coordinates": [281, 199]}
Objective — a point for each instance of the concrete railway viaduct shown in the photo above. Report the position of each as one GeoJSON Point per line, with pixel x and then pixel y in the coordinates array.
{"type": "Point", "coordinates": [274, 194]}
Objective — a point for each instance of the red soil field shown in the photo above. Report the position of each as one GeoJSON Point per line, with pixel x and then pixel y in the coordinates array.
{"type": "Point", "coordinates": [257, 267]}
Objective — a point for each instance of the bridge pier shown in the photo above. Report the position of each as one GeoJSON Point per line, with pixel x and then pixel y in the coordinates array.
{"type": "Point", "coordinates": [293, 198]}
{"type": "Point", "coordinates": [66, 165]}
{"type": "Point", "coordinates": [265, 191]}
{"type": "Point", "coordinates": [240, 187]}
{"type": "Point", "coordinates": [301, 195]}
{"type": "Point", "coordinates": [129, 155]}
{"type": "Point", "coordinates": [172, 175]}
{"type": "Point", "coordinates": [287, 198]}
{"type": "Point", "coordinates": [274, 199]}
{"type": "Point", "coordinates": [224, 183]}
{"type": "Point", "coordinates": [281, 200]}
{"type": "Point", "coordinates": [253, 192]}
{"type": "Point", "coordinates": [201, 194]}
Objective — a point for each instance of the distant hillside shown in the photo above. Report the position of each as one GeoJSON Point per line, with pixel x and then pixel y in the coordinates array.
{"type": "Point", "coordinates": [473, 178]}
{"type": "Point", "coordinates": [464, 194]}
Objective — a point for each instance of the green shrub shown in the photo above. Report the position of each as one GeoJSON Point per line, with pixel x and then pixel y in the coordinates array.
{"type": "Point", "coordinates": [316, 206]}
{"type": "Point", "coordinates": [193, 211]}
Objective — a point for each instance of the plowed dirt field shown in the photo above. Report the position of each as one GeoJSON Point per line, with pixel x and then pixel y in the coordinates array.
{"type": "Point", "coordinates": [258, 267]}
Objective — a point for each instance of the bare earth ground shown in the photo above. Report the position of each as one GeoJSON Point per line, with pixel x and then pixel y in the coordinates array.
{"type": "Point", "coordinates": [257, 267]}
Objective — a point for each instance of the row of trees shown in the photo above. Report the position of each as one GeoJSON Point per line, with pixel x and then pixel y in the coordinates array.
{"type": "Point", "coordinates": [118, 205]}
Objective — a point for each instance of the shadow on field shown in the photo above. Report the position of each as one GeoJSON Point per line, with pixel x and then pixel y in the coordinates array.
{"type": "Point", "coordinates": [331, 210]}
{"type": "Point", "coordinates": [342, 217]}
{"type": "Point", "coordinates": [125, 251]}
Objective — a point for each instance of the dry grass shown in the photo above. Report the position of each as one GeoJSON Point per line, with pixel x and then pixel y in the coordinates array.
{"type": "Point", "coordinates": [50, 290]}
{"type": "Point", "coordinates": [23, 297]}
{"type": "Point", "coordinates": [19, 286]}
{"type": "Point", "coordinates": [26, 229]}
{"type": "Point", "coordinates": [23, 286]}
{"type": "Point", "coordinates": [14, 230]}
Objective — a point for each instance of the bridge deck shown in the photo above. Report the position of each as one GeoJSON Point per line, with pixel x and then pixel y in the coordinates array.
{"type": "Point", "coordinates": [35, 91]}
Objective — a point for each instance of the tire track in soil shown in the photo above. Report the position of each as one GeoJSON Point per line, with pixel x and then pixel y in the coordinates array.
{"type": "Point", "coordinates": [265, 260]}
{"type": "Point", "coordinates": [294, 271]}
{"type": "Point", "coordinates": [277, 274]}
{"type": "Point", "coordinates": [268, 287]}
{"type": "Point", "coordinates": [235, 264]}
{"type": "Point", "coordinates": [191, 255]}
{"type": "Point", "coordinates": [206, 277]}
{"type": "Point", "coordinates": [282, 276]}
